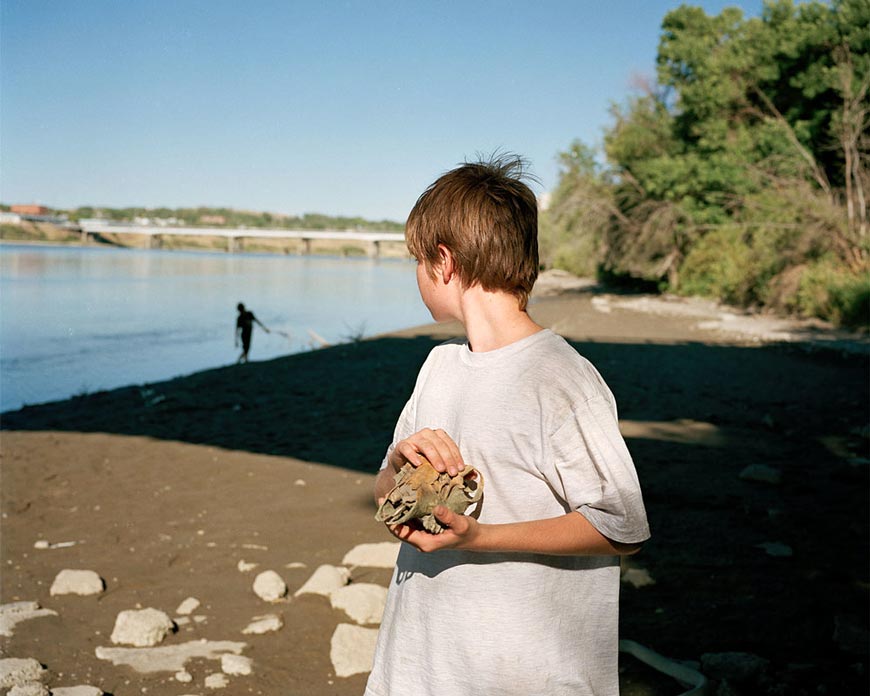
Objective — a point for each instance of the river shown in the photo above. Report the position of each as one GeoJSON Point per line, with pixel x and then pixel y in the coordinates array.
{"type": "Point", "coordinates": [77, 320]}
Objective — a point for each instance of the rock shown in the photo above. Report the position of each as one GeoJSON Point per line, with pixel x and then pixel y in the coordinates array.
{"type": "Point", "coordinates": [77, 691]}
{"type": "Point", "coordinates": [184, 677]}
{"type": "Point", "coordinates": [216, 681]}
{"type": "Point", "coordinates": [16, 612]}
{"type": "Point", "coordinates": [29, 689]}
{"type": "Point", "coordinates": [363, 602]}
{"type": "Point", "coordinates": [637, 577]}
{"type": "Point", "coordinates": [236, 664]}
{"type": "Point", "coordinates": [737, 667]}
{"type": "Point", "coordinates": [300, 483]}
{"type": "Point", "coordinates": [141, 627]}
{"type": "Point", "coordinates": [325, 580]}
{"type": "Point", "coordinates": [246, 567]}
{"type": "Point", "coordinates": [352, 649]}
{"type": "Point", "coordinates": [850, 637]}
{"type": "Point", "coordinates": [80, 582]}
{"type": "Point", "coordinates": [270, 586]}
{"type": "Point", "coordinates": [188, 606]}
{"type": "Point", "coordinates": [761, 473]}
{"type": "Point", "coordinates": [17, 671]}
{"type": "Point", "coordinates": [776, 549]}
{"type": "Point", "coordinates": [42, 544]}
{"type": "Point", "coordinates": [171, 658]}
{"type": "Point", "coordinates": [380, 555]}
{"type": "Point", "coordinates": [264, 624]}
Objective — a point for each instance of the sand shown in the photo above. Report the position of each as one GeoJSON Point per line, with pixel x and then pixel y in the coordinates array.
{"type": "Point", "coordinates": [165, 488]}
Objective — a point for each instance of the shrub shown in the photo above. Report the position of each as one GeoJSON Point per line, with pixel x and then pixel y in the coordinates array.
{"type": "Point", "coordinates": [828, 291]}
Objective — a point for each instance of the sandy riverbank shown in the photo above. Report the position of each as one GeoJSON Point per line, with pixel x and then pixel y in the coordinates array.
{"type": "Point", "coordinates": [166, 487]}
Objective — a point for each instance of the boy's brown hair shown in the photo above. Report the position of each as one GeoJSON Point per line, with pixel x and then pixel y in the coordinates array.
{"type": "Point", "coordinates": [488, 218]}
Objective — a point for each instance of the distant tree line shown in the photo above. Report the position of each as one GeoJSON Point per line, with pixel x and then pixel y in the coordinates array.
{"type": "Point", "coordinates": [205, 216]}
{"type": "Point", "coordinates": [741, 172]}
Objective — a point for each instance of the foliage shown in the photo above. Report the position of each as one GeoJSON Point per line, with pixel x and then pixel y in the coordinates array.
{"type": "Point", "coordinates": [199, 217]}
{"type": "Point", "coordinates": [747, 159]}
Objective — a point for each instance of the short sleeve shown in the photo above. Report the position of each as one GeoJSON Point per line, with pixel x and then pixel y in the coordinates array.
{"type": "Point", "coordinates": [592, 471]}
{"type": "Point", "coordinates": [404, 428]}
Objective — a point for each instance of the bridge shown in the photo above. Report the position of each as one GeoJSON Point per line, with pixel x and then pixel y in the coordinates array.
{"type": "Point", "coordinates": [235, 236]}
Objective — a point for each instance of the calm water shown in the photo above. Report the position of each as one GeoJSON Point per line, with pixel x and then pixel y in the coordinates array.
{"type": "Point", "coordinates": [76, 320]}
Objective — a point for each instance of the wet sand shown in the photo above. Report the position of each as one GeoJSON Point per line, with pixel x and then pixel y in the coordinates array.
{"type": "Point", "coordinates": [166, 487]}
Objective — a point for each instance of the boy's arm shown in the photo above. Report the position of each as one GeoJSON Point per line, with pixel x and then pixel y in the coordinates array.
{"type": "Point", "coordinates": [568, 535]}
{"type": "Point", "coordinates": [262, 326]}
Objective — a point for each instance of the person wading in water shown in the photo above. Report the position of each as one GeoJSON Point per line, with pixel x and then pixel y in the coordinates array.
{"type": "Point", "coordinates": [244, 329]}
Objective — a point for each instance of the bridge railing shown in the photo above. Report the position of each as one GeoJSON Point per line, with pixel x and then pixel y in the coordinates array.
{"type": "Point", "coordinates": [235, 235]}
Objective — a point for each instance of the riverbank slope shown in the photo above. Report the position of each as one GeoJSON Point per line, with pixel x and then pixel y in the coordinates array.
{"type": "Point", "coordinates": [750, 440]}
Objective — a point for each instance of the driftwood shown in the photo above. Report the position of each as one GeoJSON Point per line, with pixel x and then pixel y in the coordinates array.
{"type": "Point", "coordinates": [420, 489]}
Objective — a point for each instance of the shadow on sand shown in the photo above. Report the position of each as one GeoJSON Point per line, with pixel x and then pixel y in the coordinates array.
{"type": "Point", "coordinates": [696, 416]}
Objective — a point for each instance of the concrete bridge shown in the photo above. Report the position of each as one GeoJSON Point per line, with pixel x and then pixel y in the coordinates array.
{"type": "Point", "coordinates": [235, 236]}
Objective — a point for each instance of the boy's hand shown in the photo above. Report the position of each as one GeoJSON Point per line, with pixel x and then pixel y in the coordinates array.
{"type": "Point", "coordinates": [436, 445]}
{"type": "Point", "coordinates": [461, 532]}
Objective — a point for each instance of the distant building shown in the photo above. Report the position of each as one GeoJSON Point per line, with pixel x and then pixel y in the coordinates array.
{"type": "Point", "coordinates": [29, 209]}
{"type": "Point", "coordinates": [10, 218]}
{"type": "Point", "coordinates": [213, 220]}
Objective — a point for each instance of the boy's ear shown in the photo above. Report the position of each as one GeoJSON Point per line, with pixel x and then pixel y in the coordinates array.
{"type": "Point", "coordinates": [446, 267]}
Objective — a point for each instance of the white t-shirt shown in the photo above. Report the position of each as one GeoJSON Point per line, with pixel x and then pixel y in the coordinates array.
{"type": "Point", "coordinates": [540, 424]}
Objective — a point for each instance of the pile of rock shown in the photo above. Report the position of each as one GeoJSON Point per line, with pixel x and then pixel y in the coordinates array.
{"type": "Point", "coordinates": [139, 634]}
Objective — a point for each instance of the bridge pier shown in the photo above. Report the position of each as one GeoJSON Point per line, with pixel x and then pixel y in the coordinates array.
{"type": "Point", "coordinates": [155, 241]}
{"type": "Point", "coordinates": [235, 244]}
{"type": "Point", "coordinates": [84, 238]}
{"type": "Point", "coordinates": [306, 245]}
{"type": "Point", "coordinates": [375, 249]}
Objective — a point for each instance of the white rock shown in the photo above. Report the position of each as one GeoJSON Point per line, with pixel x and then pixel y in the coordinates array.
{"type": "Point", "coordinates": [170, 658]}
{"type": "Point", "coordinates": [761, 473]}
{"type": "Point", "coordinates": [246, 567]}
{"type": "Point", "coordinates": [42, 544]}
{"type": "Point", "coordinates": [380, 555]}
{"type": "Point", "coordinates": [325, 580]}
{"type": "Point", "coordinates": [188, 606]}
{"type": "Point", "coordinates": [16, 671]}
{"type": "Point", "coordinates": [184, 677]}
{"type": "Point", "coordinates": [352, 649]}
{"type": "Point", "coordinates": [363, 602]}
{"type": "Point", "coordinates": [270, 586]}
{"type": "Point", "coordinates": [29, 689]}
{"type": "Point", "coordinates": [80, 582]}
{"type": "Point", "coordinates": [637, 577]}
{"type": "Point", "coordinates": [776, 549]}
{"type": "Point", "coordinates": [296, 564]}
{"type": "Point", "coordinates": [264, 624]}
{"type": "Point", "coordinates": [216, 681]}
{"type": "Point", "coordinates": [77, 691]}
{"type": "Point", "coordinates": [300, 482]}
{"type": "Point", "coordinates": [236, 664]}
{"type": "Point", "coordinates": [141, 627]}
{"type": "Point", "coordinates": [16, 612]}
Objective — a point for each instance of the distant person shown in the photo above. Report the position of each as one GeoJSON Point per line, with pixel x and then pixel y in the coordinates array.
{"type": "Point", "coordinates": [244, 329]}
{"type": "Point", "coordinates": [523, 598]}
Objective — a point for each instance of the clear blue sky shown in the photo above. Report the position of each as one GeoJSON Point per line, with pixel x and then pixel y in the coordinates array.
{"type": "Point", "coordinates": [343, 108]}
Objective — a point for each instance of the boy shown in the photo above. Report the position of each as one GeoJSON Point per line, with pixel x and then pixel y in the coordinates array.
{"type": "Point", "coordinates": [524, 599]}
{"type": "Point", "coordinates": [244, 330]}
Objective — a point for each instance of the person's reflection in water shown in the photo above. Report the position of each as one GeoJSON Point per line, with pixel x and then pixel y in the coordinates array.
{"type": "Point", "coordinates": [244, 330]}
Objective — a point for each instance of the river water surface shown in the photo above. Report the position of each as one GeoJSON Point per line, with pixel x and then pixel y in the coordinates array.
{"type": "Point", "coordinates": [76, 320]}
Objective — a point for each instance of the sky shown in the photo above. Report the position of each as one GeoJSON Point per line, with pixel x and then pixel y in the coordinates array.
{"type": "Point", "coordinates": [316, 106]}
